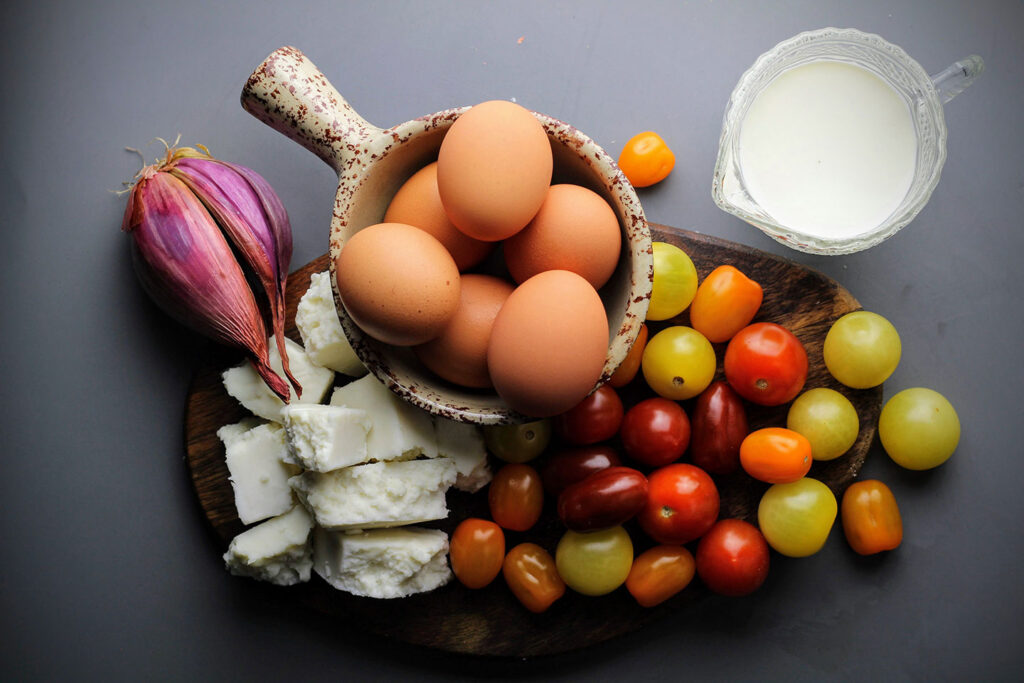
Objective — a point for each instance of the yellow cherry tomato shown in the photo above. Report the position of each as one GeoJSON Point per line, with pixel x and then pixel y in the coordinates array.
{"type": "Point", "coordinates": [646, 159]}
{"type": "Point", "coordinates": [675, 282]}
{"type": "Point", "coordinates": [678, 363]}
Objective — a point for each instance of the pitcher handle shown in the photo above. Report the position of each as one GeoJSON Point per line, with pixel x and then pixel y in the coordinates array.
{"type": "Point", "coordinates": [955, 78]}
{"type": "Point", "coordinates": [288, 93]}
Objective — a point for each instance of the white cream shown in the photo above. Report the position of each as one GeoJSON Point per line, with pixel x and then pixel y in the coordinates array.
{"type": "Point", "coordinates": [828, 149]}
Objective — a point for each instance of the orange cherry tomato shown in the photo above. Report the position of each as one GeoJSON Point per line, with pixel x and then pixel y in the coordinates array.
{"type": "Point", "coordinates": [776, 455]}
{"type": "Point", "coordinates": [477, 552]}
{"type": "Point", "coordinates": [871, 518]}
{"type": "Point", "coordinates": [531, 574]}
{"type": "Point", "coordinates": [646, 159]}
{"type": "Point", "coordinates": [628, 368]}
{"type": "Point", "coordinates": [660, 573]}
{"type": "Point", "coordinates": [725, 303]}
{"type": "Point", "coordinates": [516, 497]}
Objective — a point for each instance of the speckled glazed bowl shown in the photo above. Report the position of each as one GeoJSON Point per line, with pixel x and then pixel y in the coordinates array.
{"type": "Point", "coordinates": [288, 93]}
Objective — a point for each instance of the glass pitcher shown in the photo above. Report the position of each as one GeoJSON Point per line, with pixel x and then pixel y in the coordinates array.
{"type": "Point", "coordinates": [923, 94]}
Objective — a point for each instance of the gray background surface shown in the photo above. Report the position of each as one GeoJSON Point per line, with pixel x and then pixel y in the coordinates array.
{"type": "Point", "coordinates": [109, 570]}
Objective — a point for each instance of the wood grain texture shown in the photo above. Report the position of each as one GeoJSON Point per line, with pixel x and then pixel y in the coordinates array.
{"type": "Point", "coordinates": [490, 621]}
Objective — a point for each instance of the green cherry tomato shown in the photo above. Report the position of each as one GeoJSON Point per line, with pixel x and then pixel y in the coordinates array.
{"type": "Point", "coordinates": [797, 517]}
{"type": "Point", "coordinates": [518, 442]}
{"type": "Point", "coordinates": [827, 419]}
{"type": "Point", "coordinates": [675, 282]}
{"type": "Point", "coordinates": [595, 563]}
{"type": "Point", "coordinates": [919, 429]}
{"type": "Point", "coordinates": [678, 363]}
{"type": "Point", "coordinates": [862, 349]}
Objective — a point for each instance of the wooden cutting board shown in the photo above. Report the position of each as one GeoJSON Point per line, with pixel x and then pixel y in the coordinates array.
{"type": "Point", "coordinates": [490, 621]}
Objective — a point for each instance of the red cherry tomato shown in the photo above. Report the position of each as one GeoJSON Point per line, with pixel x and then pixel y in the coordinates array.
{"type": "Point", "coordinates": [655, 431]}
{"type": "Point", "coordinates": [516, 497]}
{"type": "Point", "coordinates": [719, 426]}
{"type": "Point", "coordinates": [576, 464]}
{"type": "Point", "coordinates": [732, 558]}
{"type": "Point", "coordinates": [477, 552]}
{"type": "Point", "coordinates": [682, 504]}
{"type": "Point", "coordinates": [659, 573]}
{"type": "Point", "coordinates": [766, 364]}
{"type": "Point", "coordinates": [595, 418]}
{"type": "Point", "coordinates": [604, 499]}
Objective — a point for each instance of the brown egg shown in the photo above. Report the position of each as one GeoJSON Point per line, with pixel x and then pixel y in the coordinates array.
{"type": "Point", "coordinates": [418, 203]}
{"type": "Point", "coordinates": [459, 353]}
{"type": "Point", "coordinates": [493, 170]}
{"type": "Point", "coordinates": [398, 283]}
{"type": "Point", "coordinates": [575, 229]}
{"type": "Point", "coordinates": [548, 344]}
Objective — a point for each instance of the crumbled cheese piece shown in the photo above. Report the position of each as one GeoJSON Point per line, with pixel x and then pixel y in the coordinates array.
{"type": "Point", "coordinates": [324, 438]}
{"type": "Point", "coordinates": [259, 475]}
{"type": "Point", "coordinates": [245, 384]}
{"type": "Point", "coordinates": [383, 563]}
{"type": "Point", "coordinates": [277, 550]}
{"type": "Point", "coordinates": [378, 494]}
{"type": "Point", "coordinates": [317, 320]}
{"type": "Point", "coordinates": [400, 431]}
{"type": "Point", "coordinates": [464, 444]}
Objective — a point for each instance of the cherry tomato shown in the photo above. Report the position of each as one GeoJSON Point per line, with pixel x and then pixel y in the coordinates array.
{"type": "Point", "coordinates": [776, 455]}
{"type": "Point", "coordinates": [678, 363]}
{"type": "Point", "coordinates": [871, 518]}
{"type": "Point", "coordinates": [725, 303]}
{"type": "Point", "coordinates": [719, 426]}
{"type": "Point", "coordinates": [796, 518]}
{"type": "Point", "coordinates": [477, 552]}
{"type": "Point", "coordinates": [595, 563]}
{"type": "Point", "coordinates": [659, 573]}
{"type": "Point", "coordinates": [682, 504]}
{"type": "Point", "coordinates": [766, 364]}
{"type": "Point", "coordinates": [827, 419]}
{"type": "Point", "coordinates": [516, 497]}
{"type": "Point", "coordinates": [595, 418]}
{"type": "Point", "coordinates": [531, 574]}
{"type": "Point", "coordinates": [655, 431]}
{"type": "Point", "coordinates": [606, 498]}
{"type": "Point", "coordinates": [571, 466]}
{"type": "Point", "coordinates": [518, 442]}
{"type": "Point", "coordinates": [675, 282]}
{"type": "Point", "coordinates": [862, 349]}
{"type": "Point", "coordinates": [646, 159]}
{"type": "Point", "coordinates": [919, 428]}
{"type": "Point", "coordinates": [733, 558]}
{"type": "Point", "coordinates": [628, 368]}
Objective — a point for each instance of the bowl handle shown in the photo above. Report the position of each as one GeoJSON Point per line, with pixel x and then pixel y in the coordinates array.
{"type": "Point", "coordinates": [288, 93]}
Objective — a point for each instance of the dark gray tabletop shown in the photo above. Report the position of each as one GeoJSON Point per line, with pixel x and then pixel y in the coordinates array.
{"type": "Point", "coordinates": [109, 567]}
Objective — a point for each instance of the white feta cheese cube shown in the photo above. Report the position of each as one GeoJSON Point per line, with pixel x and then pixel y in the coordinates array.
{"type": "Point", "coordinates": [464, 444]}
{"type": "Point", "coordinates": [318, 323]}
{"type": "Point", "coordinates": [401, 431]}
{"type": "Point", "coordinates": [324, 438]}
{"type": "Point", "coordinates": [258, 474]}
{"type": "Point", "coordinates": [278, 550]}
{"type": "Point", "coordinates": [382, 563]}
{"type": "Point", "coordinates": [377, 495]}
{"type": "Point", "coordinates": [249, 389]}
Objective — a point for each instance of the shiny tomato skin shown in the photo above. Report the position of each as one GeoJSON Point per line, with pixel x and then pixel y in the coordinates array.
{"type": "Point", "coordinates": [516, 497]}
{"type": "Point", "coordinates": [682, 504]}
{"type": "Point", "coordinates": [655, 432]}
{"type": "Point", "coordinates": [532, 576]}
{"type": "Point", "coordinates": [733, 558]}
{"type": "Point", "coordinates": [576, 464]}
{"type": "Point", "coordinates": [871, 518]}
{"type": "Point", "coordinates": [766, 364]}
{"type": "Point", "coordinates": [628, 368]}
{"type": "Point", "coordinates": [776, 455]}
{"type": "Point", "coordinates": [726, 301]}
{"type": "Point", "coordinates": [477, 551]}
{"type": "Point", "coordinates": [646, 159]}
{"type": "Point", "coordinates": [604, 499]}
{"type": "Point", "coordinates": [659, 573]}
{"type": "Point", "coordinates": [718, 427]}
{"type": "Point", "coordinates": [595, 418]}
